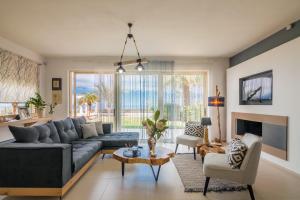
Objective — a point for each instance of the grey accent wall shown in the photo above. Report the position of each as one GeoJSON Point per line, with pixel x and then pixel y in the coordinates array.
{"type": "Point", "coordinates": [270, 42]}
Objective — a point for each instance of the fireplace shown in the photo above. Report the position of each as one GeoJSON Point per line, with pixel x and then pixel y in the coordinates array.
{"type": "Point", "coordinates": [272, 129]}
{"type": "Point", "coordinates": [246, 126]}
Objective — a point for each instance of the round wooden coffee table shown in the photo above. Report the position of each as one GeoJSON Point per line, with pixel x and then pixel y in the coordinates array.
{"type": "Point", "coordinates": [163, 156]}
{"type": "Point", "coordinates": [204, 149]}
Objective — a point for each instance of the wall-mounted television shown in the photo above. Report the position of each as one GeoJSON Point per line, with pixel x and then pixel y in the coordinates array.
{"type": "Point", "coordinates": [257, 89]}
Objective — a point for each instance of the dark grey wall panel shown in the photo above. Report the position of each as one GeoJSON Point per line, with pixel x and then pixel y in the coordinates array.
{"type": "Point", "coordinates": [274, 135]}
{"type": "Point", "coordinates": [270, 42]}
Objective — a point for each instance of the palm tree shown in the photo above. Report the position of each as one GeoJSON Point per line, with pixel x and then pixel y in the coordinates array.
{"type": "Point", "coordinates": [88, 99]}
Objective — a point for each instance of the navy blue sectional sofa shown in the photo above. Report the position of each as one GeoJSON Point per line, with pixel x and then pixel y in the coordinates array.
{"type": "Point", "coordinates": [50, 166]}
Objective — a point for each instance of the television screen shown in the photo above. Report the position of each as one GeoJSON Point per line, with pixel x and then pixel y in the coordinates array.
{"type": "Point", "coordinates": [257, 89]}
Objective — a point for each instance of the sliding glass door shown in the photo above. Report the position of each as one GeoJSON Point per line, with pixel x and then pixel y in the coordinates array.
{"type": "Point", "coordinates": [137, 99]}
{"type": "Point", "coordinates": [127, 99]}
{"type": "Point", "coordinates": [93, 96]}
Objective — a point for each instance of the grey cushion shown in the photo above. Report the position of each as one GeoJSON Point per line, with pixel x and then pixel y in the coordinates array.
{"type": "Point", "coordinates": [24, 134]}
{"type": "Point", "coordinates": [77, 122]}
{"type": "Point", "coordinates": [116, 140]}
{"type": "Point", "coordinates": [89, 130]}
{"type": "Point", "coordinates": [83, 151]}
{"type": "Point", "coordinates": [188, 140]}
{"type": "Point", "coordinates": [66, 130]}
{"type": "Point", "coordinates": [99, 127]}
{"type": "Point", "coordinates": [48, 133]}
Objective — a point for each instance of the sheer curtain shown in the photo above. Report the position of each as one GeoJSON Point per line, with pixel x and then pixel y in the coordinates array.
{"type": "Point", "coordinates": [140, 94]}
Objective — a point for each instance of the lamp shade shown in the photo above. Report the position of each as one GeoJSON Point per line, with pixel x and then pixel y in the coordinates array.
{"type": "Point", "coordinates": [205, 121]}
{"type": "Point", "coordinates": [216, 101]}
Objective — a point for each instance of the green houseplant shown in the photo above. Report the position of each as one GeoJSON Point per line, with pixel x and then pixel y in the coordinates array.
{"type": "Point", "coordinates": [38, 103]}
{"type": "Point", "coordinates": [155, 129]}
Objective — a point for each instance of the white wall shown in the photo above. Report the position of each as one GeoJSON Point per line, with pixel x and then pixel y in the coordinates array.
{"type": "Point", "coordinates": [60, 68]}
{"type": "Point", "coordinates": [285, 63]}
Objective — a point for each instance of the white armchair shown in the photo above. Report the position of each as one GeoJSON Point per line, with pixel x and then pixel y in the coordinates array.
{"type": "Point", "coordinates": [193, 135]}
{"type": "Point", "coordinates": [216, 166]}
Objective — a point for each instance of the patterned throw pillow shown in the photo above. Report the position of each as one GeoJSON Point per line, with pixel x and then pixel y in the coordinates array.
{"type": "Point", "coordinates": [236, 154]}
{"type": "Point", "coordinates": [194, 129]}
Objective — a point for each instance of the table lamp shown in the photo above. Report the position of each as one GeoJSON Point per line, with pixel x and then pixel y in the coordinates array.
{"type": "Point", "coordinates": [205, 121]}
{"type": "Point", "coordinates": [217, 101]}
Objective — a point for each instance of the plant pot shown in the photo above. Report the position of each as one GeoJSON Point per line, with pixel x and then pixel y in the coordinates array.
{"type": "Point", "coordinates": [40, 113]}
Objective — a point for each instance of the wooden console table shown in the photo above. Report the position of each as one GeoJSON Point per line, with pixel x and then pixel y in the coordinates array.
{"type": "Point", "coordinates": [25, 122]}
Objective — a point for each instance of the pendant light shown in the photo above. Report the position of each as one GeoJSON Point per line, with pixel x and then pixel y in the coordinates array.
{"type": "Point", "coordinates": [140, 61]}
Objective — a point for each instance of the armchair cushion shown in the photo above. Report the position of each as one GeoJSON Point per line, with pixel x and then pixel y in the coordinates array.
{"type": "Point", "coordinates": [194, 129]}
{"type": "Point", "coordinates": [216, 166]}
{"type": "Point", "coordinates": [188, 140]}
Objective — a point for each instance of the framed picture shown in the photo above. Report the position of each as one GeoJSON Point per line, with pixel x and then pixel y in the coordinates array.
{"type": "Point", "coordinates": [23, 112]}
{"type": "Point", "coordinates": [257, 89]}
{"type": "Point", "coordinates": [56, 83]}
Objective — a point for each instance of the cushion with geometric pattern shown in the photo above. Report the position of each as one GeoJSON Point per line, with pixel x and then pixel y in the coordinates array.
{"type": "Point", "coordinates": [194, 129]}
{"type": "Point", "coordinates": [236, 153]}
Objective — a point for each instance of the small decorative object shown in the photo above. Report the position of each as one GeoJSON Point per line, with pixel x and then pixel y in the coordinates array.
{"type": "Point", "coordinates": [257, 89]}
{"type": "Point", "coordinates": [140, 61]}
{"type": "Point", "coordinates": [155, 129]}
{"type": "Point", "coordinates": [56, 84]}
{"type": "Point", "coordinates": [15, 107]}
{"type": "Point", "coordinates": [51, 108]}
{"type": "Point", "coordinates": [132, 152]}
{"type": "Point", "coordinates": [56, 91]}
{"type": "Point", "coordinates": [205, 121]}
{"type": "Point", "coordinates": [23, 113]}
{"type": "Point", "coordinates": [38, 103]}
{"type": "Point", "coordinates": [217, 101]}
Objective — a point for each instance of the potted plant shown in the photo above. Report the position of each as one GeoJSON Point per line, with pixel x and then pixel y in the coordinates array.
{"type": "Point", "coordinates": [38, 103]}
{"type": "Point", "coordinates": [88, 99]}
{"type": "Point", "coordinates": [155, 129]}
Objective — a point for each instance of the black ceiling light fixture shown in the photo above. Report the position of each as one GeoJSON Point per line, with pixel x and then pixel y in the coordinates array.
{"type": "Point", "coordinates": [140, 61]}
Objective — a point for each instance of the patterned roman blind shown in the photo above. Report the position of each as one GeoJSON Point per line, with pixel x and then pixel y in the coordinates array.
{"type": "Point", "coordinates": [18, 77]}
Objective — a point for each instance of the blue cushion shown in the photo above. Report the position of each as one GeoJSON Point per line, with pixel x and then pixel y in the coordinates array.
{"type": "Point", "coordinates": [116, 140]}
{"type": "Point", "coordinates": [48, 133]}
{"type": "Point", "coordinates": [24, 134]}
{"type": "Point", "coordinates": [66, 130]}
{"type": "Point", "coordinates": [77, 122]}
{"type": "Point", "coordinates": [83, 151]}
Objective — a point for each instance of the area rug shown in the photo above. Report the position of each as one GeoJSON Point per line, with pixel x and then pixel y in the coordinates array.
{"type": "Point", "coordinates": [193, 180]}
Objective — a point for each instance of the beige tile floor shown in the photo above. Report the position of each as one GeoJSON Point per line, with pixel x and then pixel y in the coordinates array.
{"type": "Point", "coordinates": [104, 182]}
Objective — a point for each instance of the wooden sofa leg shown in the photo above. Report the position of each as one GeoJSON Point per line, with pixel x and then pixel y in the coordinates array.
{"type": "Point", "coordinates": [176, 148]}
{"type": "Point", "coordinates": [194, 149]}
{"type": "Point", "coordinates": [103, 155]}
{"type": "Point", "coordinates": [206, 185]}
{"type": "Point", "coordinates": [251, 192]}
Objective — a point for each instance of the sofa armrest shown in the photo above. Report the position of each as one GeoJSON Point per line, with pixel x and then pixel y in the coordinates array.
{"type": "Point", "coordinates": [107, 128]}
{"type": "Point", "coordinates": [35, 165]}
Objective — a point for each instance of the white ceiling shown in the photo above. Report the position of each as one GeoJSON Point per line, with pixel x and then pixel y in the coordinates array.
{"type": "Point", "coordinates": [161, 27]}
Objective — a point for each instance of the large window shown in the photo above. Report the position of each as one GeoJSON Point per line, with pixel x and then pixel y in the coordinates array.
{"type": "Point", "coordinates": [127, 99]}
